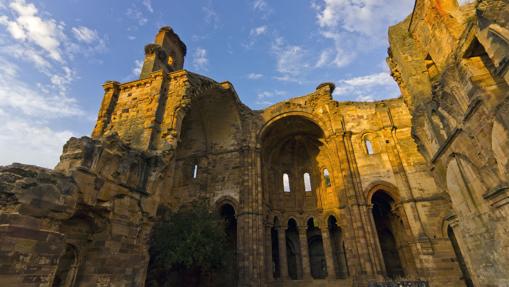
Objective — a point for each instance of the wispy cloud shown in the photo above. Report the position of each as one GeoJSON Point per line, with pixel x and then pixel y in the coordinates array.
{"type": "Point", "coordinates": [290, 59]}
{"type": "Point", "coordinates": [367, 88]}
{"type": "Point", "coordinates": [356, 26]}
{"type": "Point", "coordinates": [254, 76]}
{"type": "Point", "coordinates": [85, 34]}
{"type": "Point", "coordinates": [200, 59]}
{"type": "Point", "coordinates": [29, 110]}
{"type": "Point", "coordinates": [266, 98]}
{"type": "Point", "coordinates": [258, 31]}
{"type": "Point", "coordinates": [135, 14]}
{"type": "Point", "coordinates": [210, 15]}
{"type": "Point", "coordinates": [148, 5]}
{"type": "Point", "coordinates": [138, 64]}
{"type": "Point", "coordinates": [262, 7]}
{"type": "Point", "coordinates": [28, 27]}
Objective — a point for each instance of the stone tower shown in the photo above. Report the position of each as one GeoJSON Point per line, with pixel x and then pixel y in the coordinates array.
{"type": "Point", "coordinates": [167, 53]}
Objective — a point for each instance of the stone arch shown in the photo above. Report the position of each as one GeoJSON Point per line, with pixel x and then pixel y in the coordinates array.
{"type": "Point", "coordinates": [308, 116]}
{"type": "Point", "coordinates": [207, 124]}
{"type": "Point", "coordinates": [386, 186]}
{"type": "Point", "coordinates": [373, 138]}
{"type": "Point", "coordinates": [291, 145]}
{"type": "Point", "coordinates": [337, 243]}
{"type": "Point", "coordinates": [388, 219]}
{"type": "Point", "coordinates": [226, 199]}
{"type": "Point", "coordinates": [464, 185]}
{"type": "Point", "coordinates": [68, 263]}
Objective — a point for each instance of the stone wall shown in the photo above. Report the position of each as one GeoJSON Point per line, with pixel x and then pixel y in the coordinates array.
{"type": "Point", "coordinates": [451, 64]}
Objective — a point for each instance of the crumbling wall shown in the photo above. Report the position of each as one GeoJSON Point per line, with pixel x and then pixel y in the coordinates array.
{"type": "Point", "coordinates": [451, 67]}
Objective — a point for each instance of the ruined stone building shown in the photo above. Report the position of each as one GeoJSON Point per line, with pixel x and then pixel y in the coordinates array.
{"type": "Point", "coordinates": [324, 193]}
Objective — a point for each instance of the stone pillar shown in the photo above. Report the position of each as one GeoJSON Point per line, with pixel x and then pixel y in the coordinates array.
{"type": "Point", "coordinates": [269, 269]}
{"type": "Point", "coordinates": [283, 266]}
{"type": "Point", "coordinates": [327, 250]}
{"type": "Point", "coordinates": [304, 254]}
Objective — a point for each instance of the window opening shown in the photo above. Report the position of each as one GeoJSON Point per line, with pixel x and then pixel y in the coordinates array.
{"type": "Point", "coordinates": [326, 177]}
{"type": "Point", "coordinates": [369, 146]}
{"type": "Point", "coordinates": [307, 182]}
{"type": "Point", "coordinates": [286, 182]}
{"type": "Point", "coordinates": [195, 171]}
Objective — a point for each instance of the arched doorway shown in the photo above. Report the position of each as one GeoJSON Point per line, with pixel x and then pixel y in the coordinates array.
{"type": "Point", "coordinates": [316, 254]}
{"type": "Point", "coordinates": [274, 239]}
{"type": "Point", "coordinates": [293, 250]}
{"type": "Point", "coordinates": [227, 213]}
{"type": "Point", "coordinates": [338, 248]}
{"type": "Point", "coordinates": [67, 267]}
{"type": "Point", "coordinates": [459, 257]}
{"type": "Point", "coordinates": [385, 223]}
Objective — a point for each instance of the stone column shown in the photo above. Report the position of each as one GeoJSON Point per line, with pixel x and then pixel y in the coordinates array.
{"type": "Point", "coordinates": [304, 254]}
{"type": "Point", "coordinates": [268, 253]}
{"type": "Point", "coordinates": [281, 237]}
{"type": "Point", "coordinates": [327, 250]}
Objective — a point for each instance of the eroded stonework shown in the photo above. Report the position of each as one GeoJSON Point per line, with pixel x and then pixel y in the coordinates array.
{"type": "Point", "coordinates": [323, 193]}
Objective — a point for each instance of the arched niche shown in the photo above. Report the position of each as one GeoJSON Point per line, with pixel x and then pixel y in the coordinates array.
{"type": "Point", "coordinates": [388, 226]}
{"type": "Point", "coordinates": [208, 127]}
{"type": "Point", "coordinates": [317, 260]}
{"type": "Point", "coordinates": [291, 147]}
{"type": "Point", "coordinates": [227, 213]}
{"type": "Point", "coordinates": [338, 248]}
{"type": "Point", "coordinates": [65, 274]}
{"type": "Point", "coordinates": [465, 186]}
{"type": "Point", "coordinates": [293, 256]}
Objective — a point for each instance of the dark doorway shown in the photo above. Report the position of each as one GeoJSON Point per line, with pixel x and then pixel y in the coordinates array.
{"type": "Point", "coordinates": [316, 254]}
{"type": "Point", "coordinates": [338, 248]}
{"type": "Point", "coordinates": [292, 250]}
{"type": "Point", "coordinates": [384, 221]}
{"type": "Point", "coordinates": [66, 270]}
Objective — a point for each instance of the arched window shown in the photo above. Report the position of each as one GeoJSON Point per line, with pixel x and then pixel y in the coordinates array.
{"type": "Point", "coordinates": [286, 182]}
{"type": "Point", "coordinates": [326, 177]}
{"type": "Point", "coordinates": [307, 182]}
{"type": "Point", "coordinates": [369, 146]}
{"type": "Point", "coordinates": [195, 171]}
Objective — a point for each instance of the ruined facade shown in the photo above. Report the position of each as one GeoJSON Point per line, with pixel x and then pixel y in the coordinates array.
{"type": "Point", "coordinates": [324, 193]}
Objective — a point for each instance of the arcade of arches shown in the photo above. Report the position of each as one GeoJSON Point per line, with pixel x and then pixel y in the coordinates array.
{"type": "Point", "coordinates": [314, 191]}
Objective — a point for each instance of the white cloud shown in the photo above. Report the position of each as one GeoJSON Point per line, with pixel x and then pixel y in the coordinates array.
{"type": "Point", "coordinates": [258, 31]}
{"type": "Point", "coordinates": [211, 16]}
{"type": "Point", "coordinates": [200, 60]}
{"type": "Point", "coordinates": [267, 98]}
{"type": "Point", "coordinates": [148, 5]}
{"type": "Point", "coordinates": [367, 88]}
{"type": "Point", "coordinates": [135, 14]}
{"type": "Point", "coordinates": [138, 64]}
{"type": "Point", "coordinates": [291, 60]}
{"type": "Point", "coordinates": [85, 34]}
{"type": "Point", "coordinates": [369, 17]}
{"type": "Point", "coordinates": [29, 27]}
{"type": "Point", "coordinates": [270, 94]}
{"type": "Point", "coordinates": [18, 97]}
{"type": "Point", "coordinates": [357, 26]}
{"type": "Point", "coordinates": [30, 142]}
{"type": "Point", "coordinates": [254, 76]}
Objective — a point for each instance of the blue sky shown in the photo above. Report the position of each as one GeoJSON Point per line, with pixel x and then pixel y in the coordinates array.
{"type": "Point", "coordinates": [54, 56]}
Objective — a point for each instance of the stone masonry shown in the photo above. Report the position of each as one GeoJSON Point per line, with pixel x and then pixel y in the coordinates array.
{"type": "Point", "coordinates": [324, 193]}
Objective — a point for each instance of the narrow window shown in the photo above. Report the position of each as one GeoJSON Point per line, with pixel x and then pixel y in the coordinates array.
{"type": "Point", "coordinates": [369, 146]}
{"type": "Point", "coordinates": [326, 177]}
{"type": "Point", "coordinates": [307, 182]}
{"type": "Point", "coordinates": [286, 182]}
{"type": "Point", "coordinates": [195, 171]}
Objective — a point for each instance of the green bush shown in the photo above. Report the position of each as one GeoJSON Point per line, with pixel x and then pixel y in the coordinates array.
{"type": "Point", "coordinates": [189, 248]}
